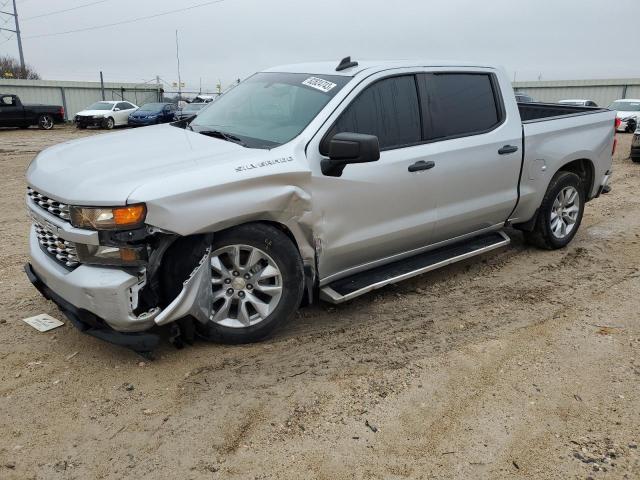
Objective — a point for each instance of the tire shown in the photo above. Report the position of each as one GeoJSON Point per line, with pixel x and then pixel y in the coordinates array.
{"type": "Point", "coordinates": [262, 313]}
{"type": "Point", "coordinates": [109, 123]}
{"type": "Point", "coordinates": [45, 122]}
{"type": "Point", "coordinates": [548, 232]}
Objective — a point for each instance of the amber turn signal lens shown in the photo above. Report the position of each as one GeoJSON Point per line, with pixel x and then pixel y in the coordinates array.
{"type": "Point", "coordinates": [129, 255]}
{"type": "Point", "coordinates": [129, 215]}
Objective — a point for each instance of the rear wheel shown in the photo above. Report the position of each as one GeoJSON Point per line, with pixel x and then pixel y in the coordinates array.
{"type": "Point", "coordinates": [45, 122]}
{"type": "Point", "coordinates": [560, 213]}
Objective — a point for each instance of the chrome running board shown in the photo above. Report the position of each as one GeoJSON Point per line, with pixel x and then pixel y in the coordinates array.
{"type": "Point", "coordinates": [361, 283]}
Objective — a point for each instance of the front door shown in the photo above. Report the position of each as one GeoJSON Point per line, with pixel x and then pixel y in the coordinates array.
{"type": "Point", "coordinates": [380, 209]}
{"type": "Point", "coordinates": [122, 116]}
{"type": "Point", "coordinates": [11, 114]}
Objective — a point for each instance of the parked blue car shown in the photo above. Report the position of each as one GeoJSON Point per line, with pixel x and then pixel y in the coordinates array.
{"type": "Point", "coordinates": [152, 114]}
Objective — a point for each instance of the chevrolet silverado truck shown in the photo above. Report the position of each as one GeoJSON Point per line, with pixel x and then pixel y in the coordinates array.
{"type": "Point", "coordinates": [14, 113]}
{"type": "Point", "coordinates": [305, 182]}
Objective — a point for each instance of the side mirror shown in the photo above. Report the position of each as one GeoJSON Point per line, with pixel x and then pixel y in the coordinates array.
{"type": "Point", "coordinates": [116, 109]}
{"type": "Point", "coordinates": [346, 148]}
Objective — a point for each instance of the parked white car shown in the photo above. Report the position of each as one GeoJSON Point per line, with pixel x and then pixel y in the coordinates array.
{"type": "Point", "coordinates": [628, 111]}
{"type": "Point", "coordinates": [105, 114]}
{"type": "Point", "coordinates": [579, 102]}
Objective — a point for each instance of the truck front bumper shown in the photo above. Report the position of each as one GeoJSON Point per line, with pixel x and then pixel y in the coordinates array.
{"type": "Point", "coordinates": [110, 294]}
{"type": "Point", "coordinates": [90, 324]}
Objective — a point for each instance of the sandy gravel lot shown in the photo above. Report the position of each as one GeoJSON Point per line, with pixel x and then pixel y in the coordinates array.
{"type": "Point", "coordinates": [520, 364]}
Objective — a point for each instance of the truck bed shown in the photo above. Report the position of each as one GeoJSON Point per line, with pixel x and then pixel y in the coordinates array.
{"type": "Point", "coordinates": [537, 112]}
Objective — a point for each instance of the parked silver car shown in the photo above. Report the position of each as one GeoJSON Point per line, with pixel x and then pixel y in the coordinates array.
{"type": "Point", "coordinates": [304, 181]}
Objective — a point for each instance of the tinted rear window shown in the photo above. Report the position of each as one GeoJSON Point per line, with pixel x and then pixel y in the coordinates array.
{"type": "Point", "coordinates": [457, 104]}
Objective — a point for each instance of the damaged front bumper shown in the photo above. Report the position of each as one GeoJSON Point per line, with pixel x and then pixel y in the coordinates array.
{"type": "Point", "coordinates": [103, 301]}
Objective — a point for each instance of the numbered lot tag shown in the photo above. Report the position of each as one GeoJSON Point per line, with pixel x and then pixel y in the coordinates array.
{"type": "Point", "coordinates": [43, 322]}
{"type": "Point", "coordinates": [319, 84]}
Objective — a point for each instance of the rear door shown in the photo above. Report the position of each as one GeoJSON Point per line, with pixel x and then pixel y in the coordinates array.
{"type": "Point", "coordinates": [374, 210]}
{"type": "Point", "coordinates": [121, 117]}
{"type": "Point", "coordinates": [476, 145]}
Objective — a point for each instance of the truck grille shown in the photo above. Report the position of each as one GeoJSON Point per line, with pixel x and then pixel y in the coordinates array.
{"type": "Point", "coordinates": [60, 210]}
{"type": "Point", "coordinates": [63, 251]}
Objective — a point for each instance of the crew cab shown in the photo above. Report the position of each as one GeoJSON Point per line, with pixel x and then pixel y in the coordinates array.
{"type": "Point", "coordinates": [14, 113]}
{"type": "Point", "coordinates": [303, 182]}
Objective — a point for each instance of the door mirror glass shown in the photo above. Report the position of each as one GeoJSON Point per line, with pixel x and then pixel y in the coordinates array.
{"type": "Point", "coordinates": [116, 109]}
{"type": "Point", "coordinates": [346, 148]}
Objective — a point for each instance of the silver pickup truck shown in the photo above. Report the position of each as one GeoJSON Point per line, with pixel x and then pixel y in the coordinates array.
{"type": "Point", "coordinates": [303, 182]}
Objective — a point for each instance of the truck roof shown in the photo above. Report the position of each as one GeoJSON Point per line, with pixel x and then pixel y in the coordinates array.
{"type": "Point", "coordinates": [373, 66]}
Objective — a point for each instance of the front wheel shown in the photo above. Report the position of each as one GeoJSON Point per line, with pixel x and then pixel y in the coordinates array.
{"type": "Point", "coordinates": [560, 213]}
{"type": "Point", "coordinates": [45, 122]}
{"type": "Point", "coordinates": [109, 123]}
{"type": "Point", "coordinates": [257, 281]}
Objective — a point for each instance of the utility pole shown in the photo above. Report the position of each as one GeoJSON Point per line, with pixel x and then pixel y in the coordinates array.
{"type": "Point", "coordinates": [17, 32]}
{"type": "Point", "coordinates": [102, 84]}
{"type": "Point", "coordinates": [178, 59]}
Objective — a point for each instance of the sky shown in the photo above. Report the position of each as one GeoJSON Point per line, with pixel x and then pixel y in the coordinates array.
{"type": "Point", "coordinates": [230, 39]}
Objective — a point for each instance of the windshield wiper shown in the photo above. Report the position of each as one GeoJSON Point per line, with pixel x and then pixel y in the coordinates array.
{"type": "Point", "coordinates": [223, 135]}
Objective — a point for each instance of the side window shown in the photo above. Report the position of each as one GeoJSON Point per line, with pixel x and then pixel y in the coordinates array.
{"type": "Point", "coordinates": [124, 106]}
{"type": "Point", "coordinates": [458, 104]}
{"type": "Point", "coordinates": [7, 101]}
{"type": "Point", "coordinates": [388, 109]}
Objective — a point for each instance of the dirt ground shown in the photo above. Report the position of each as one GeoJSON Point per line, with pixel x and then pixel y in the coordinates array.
{"type": "Point", "coordinates": [519, 364]}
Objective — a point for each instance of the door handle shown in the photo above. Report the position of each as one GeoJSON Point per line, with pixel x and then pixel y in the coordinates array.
{"type": "Point", "coordinates": [421, 165]}
{"type": "Point", "coordinates": [508, 149]}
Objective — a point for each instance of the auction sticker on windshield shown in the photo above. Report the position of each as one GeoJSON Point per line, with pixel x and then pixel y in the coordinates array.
{"type": "Point", "coordinates": [319, 84]}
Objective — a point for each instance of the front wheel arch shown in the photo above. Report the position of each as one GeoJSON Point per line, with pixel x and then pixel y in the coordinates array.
{"type": "Point", "coordinates": [185, 252]}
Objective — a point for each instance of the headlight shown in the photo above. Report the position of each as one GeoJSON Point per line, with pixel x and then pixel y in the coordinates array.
{"type": "Point", "coordinates": [108, 218]}
{"type": "Point", "coordinates": [96, 117]}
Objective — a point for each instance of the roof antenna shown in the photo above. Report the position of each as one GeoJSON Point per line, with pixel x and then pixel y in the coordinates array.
{"type": "Point", "coordinates": [346, 63]}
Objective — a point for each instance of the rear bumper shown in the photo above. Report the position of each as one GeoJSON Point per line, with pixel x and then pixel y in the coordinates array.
{"type": "Point", "coordinates": [635, 152]}
{"type": "Point", "coordinates": [605, 182]}
{"type": "Point", "coordinates": [91, 324]}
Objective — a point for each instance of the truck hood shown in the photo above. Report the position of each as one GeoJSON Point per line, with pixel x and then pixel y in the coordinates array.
{"type": "Point", "coordinates": [105, 169]}
{"type": "Point", "coordinates": [97, 113]}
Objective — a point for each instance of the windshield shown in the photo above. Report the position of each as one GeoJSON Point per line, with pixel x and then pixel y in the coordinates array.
{"type": "Point", "coordinates": [269, 109]}
{"type": "Point", "coordinates": [193, 107]}
{"type": "Point", "coordinates": [152, 107]}
{"type": "Point", "coordinates": [625, 106]}
{"type": "Point", "coordinates": [101, 106]}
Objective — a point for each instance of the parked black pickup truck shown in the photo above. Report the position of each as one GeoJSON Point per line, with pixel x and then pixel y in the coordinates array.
{"type": "Point", "coordinates": [13, 113]}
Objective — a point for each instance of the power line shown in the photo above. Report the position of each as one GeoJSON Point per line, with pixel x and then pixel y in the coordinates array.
{"type": "Point", "coordinates": [64, 10]}
{"type": "Point", "coordinates": [133, 20]}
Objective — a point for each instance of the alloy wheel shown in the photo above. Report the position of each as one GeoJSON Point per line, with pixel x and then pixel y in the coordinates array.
{"type": "Point", "coordinates": [247, 286]}
{"type": "Point", "coordinates": [564, 212]}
